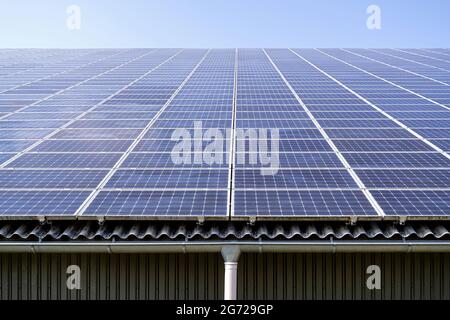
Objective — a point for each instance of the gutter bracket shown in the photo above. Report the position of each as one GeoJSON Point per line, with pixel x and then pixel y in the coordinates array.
{"type": "Point", "coordinates": [101, 220]}
{"type": "Point", "coordinates": [42, 220]}
{"type": "Point", "coordinates": [402, 220]}
{"type": "Point", "coordinates": [200, 220]}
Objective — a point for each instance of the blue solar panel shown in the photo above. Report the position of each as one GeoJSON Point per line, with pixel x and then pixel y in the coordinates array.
{"type": "Point", "coordinates": [97, 134]}
{"type": "Point", "coordinates": [93, 124]}
{"type": "Point", "coordinates": [165, 160]}
{"type": "Point", "coordinates": [24, 134]}
{"type": "Point", "coordinates": [297, 160]}
{"type": "Point", "coordinates": [421, 179]}
{"type": "Point", "coordinates": [36, 203]}
{"type": "Point", "coordinates": [356, 136]}
{"type": "Point", "coordinates": [443, 144]}
{"type": "Point", "coordinates": [382, 145]}
{"type": "Point", "coordinates": [166, 179]}
{"type": "Point", "coordinates": [16, 124]}
{"type": "Point", "coordinates": [369, 134]}
{"type": "Point", "coordinates": [42, 116]}
{"type": "Point", "coordinates": [434, 133]}
{"type": "Point", "coordinates": [120, 115]}
{"type": "Point", "coordinates": [295, 179]}
{"type": "Point", "coordinates": [302, 203]}
{"type": "Point", "coordinates": [414, 203]}
{"type": "Point", "coordinates": [397, 160]}
{"type": "Point", "coordinates": [14, 145]}
{"type": "Point", "coordinates": [170, 204]}
{"type": "Point", "coordinates": [83, 146]}
{"type": "Point", "coordinates": [65, 160]}
{"type": "Point", "coordinates": [428, 123]}
{"type": "Point", "coordinates": [50, 179]}
{"type": "Point", "coordinates": [5, 156]}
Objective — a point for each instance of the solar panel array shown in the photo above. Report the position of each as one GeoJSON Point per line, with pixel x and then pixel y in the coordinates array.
{"type": "Point", "coordinates": [92, 133]}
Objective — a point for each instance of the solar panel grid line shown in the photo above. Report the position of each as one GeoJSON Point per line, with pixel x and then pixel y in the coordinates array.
{"type": "Point", "coordinates": [347, 166]}
{"type": "Point", "coordinates": [92, 108]}
{"type": "Point", "coordinates": [420, 55]}
{"type": "Point", "coordinates": [232, 151]}
{"type": "Point", "coordinates": [122, 159]}
{"type": "Point", "coordinates": [56, 93]}
{"type": "Point", "coordinates": [409, 60]}
{"type": "Point", "coordinates": [395, 67]}
{"type": "Point", "coordinates": [418, 136]}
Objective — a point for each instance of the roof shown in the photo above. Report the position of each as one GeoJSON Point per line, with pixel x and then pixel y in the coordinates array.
{"type": "Point", "coordinates": [164, 231]}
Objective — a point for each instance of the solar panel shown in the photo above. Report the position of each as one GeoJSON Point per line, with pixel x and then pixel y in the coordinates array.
{"type": "Point", "coordinates": [226, 134]}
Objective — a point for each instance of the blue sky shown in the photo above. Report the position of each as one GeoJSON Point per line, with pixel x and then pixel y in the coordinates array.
{"type": "Point", "coordinates": [224, 23]}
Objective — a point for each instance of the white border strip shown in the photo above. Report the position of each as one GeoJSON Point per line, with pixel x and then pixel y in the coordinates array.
{"type": "Point", "coordinates": [231, 176]}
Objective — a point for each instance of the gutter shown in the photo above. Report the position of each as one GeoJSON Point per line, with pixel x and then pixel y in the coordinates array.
{"type": "Point", "coordinates": [325, 246]}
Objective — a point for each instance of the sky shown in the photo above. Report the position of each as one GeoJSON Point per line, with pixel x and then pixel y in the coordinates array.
{"type": "Point", "coordinates": [222, 23]}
